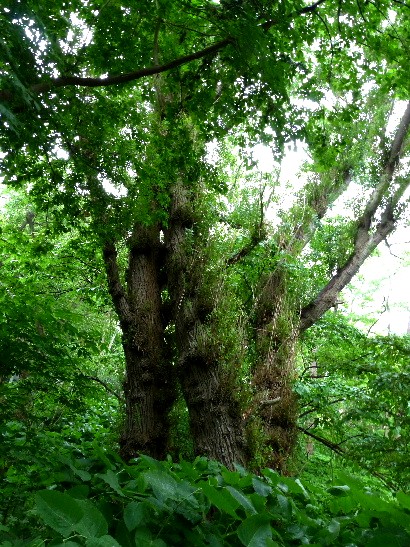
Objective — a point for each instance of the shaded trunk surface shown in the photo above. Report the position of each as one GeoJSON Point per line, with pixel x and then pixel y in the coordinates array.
{"type": "Point", "coordinates": [216, 422]}
{"type": "Point", "coordinates": [208, 387]}
{"type": "Point", "coordinates": [149, 387]}
{"type": "Point", "coordinates": [275, 404]}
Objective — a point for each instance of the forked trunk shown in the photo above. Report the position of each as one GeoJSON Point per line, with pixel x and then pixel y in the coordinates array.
{"type": "Point", "coordinates": [149, 384]}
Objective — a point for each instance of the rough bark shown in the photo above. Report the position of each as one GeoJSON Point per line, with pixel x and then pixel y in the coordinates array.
{"type": "Point", "coordinates": [149, 384]}
{"type": "Point", "coordinates": [207, 385]}
{"type": "Point", "coordinates": [274, 403]}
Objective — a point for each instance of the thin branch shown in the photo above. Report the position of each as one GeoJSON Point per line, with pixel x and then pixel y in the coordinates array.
{"type": "Point", "coordinates": [342, 452]}
{"type": "Point", "coordinates": [385, 308]}
{"type": "Point", "coordinates": [247, 249]}
{"type": "Point", "coordinates": [333, 446]}
{"type": "Point", "coordinates": [104, 384]}
{"type": "Point", "coordinates": [315, 408]}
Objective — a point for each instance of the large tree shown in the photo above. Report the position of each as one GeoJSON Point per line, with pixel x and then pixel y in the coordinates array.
{"type": "Point", "coordinates": [210, 295]}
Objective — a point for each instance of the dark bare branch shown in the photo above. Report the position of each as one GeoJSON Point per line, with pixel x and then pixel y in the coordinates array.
{"type": "Point", "coordinates": [333, 446]}
{"type": "Point", "coordinates": [247, 249]}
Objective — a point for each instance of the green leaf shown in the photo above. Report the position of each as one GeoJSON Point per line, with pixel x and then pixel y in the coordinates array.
{"type": "Point", "coordinates": [305, 493]}
{"type": "Point", "coordinates": [221, 498]}
{"type": "Point", "coordinates": [59, 511]}
{"type": "Point", "coordinates": [339, 490]}
{"type": "Point", "coordinates": [285, 506]}
{"type": "Point", "coordinates": [163, 485]}
{"type": "Point", "coordinates": [144, 538]}
{"type": "Point", "coordinates": [255, 531]}
{"type": "Point", "coordinates": [134, 514]}
{"type": "Point", "coordinates": [261, 487]}
{"type": "Point", "coordinates": [93, 523]}
{"type": "Point", "coordinates": [403, 499]}
{"type": "Point", "coordinates": [65, 544]}
{"type": "Point", "coordinates": [334, 528]}
{"type": "Point", "coordinates": [103, 541]}
{"type": "Point", "coordinates": [112, 480]}
{"type": "Point", "coordinates": [243, 500]}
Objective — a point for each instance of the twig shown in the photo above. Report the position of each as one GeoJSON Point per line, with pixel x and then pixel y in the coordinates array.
{"type": "Point", "coordinates": [104, 384]}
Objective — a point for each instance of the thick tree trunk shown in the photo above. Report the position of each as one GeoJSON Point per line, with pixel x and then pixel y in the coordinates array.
{"type": "Point", "coordinates": [274, 404]}
{"type": "Point", "coordinates": [149, 384]}
{"type": "Point", "coordinates": [215, 417]}
{"type": "Point", "coordinates": [207, 385]}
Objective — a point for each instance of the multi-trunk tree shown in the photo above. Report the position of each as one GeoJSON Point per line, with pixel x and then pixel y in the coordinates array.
{"type": "Point", "coordinates": [109, 109]}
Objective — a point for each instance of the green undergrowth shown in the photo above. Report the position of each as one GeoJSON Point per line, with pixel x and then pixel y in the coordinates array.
{"type": "Point", "coordinates": [100, 501]}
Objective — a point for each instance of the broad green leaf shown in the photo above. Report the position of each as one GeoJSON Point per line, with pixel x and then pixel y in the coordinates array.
{"type": "Point", "coordinates": [163, 485]}
{"type": "Point", "coordinates": [297, 532]}
{"type": "Point", "coordinates": [134, 514]}
{"type": "Point", "coordinates": [103, 541]}
{"type": "Point", "coordinates": [261, 487]}
{"type": "Point", "coordinates": [284, 504]}
{"type": "Point", "coordinates": [79, 491]}
{"type": "Point", "coordinates": [386, 539]}
{"type": "Point", "coordinates": [145, 538]}
{"type": "Point", "coordinates": [243, 500]}
{"type": "Point", "coordinates": [298, 482]}
{"type": "Point", "coordinates": [339, 490]}
{"type": "Point", "coordinates": [59, 511]}
{"type": "Point", "coordinates": [403, 499]}
{"type": "Point", "coordinates": [221, 498]}
{"type": "Point", "coordinates": [93, 523]}
{"type": "Point", "coordinates": [166, 487]}
{"type": "Point", "coordinates": [84, 475]}
{"type": "Point", "coordinates": [334, 528]}
{"type": "Point", "coordinates": [112, 480]}
{"type": "Point", "coordinates": [65, 544]}
{"type": "Point", "coordinates": [255, 530]}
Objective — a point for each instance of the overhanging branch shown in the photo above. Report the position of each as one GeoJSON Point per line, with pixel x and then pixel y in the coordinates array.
{"type": "Point", "coordinates": [65, 81]}
{"type": "Point", "coordinates": [104, 384]}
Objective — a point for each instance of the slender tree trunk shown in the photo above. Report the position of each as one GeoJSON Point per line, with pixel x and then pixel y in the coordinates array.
{"type": "Point", "coordinates": [149, 384]}
{"type": "Point", "coordinates": [207, 385]}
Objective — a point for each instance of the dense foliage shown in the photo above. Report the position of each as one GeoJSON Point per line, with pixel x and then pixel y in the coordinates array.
{"type": "Point", "coordinates": [168, 297]}
{"type": "Point", "coordinates": [97, 500]}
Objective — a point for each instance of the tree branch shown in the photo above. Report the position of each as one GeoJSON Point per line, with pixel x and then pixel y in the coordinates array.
{"type": "Point", "coordinates": [333, 446]}
{"type": "Point", "coordinates": [104, 384]}
{"type": "Point", "coordinates": [115, 287]}
{"type": "Point", "coordinates": [65, 81]}
{"type": "Point", "coordinates": [366, 239]}
{"type": "Point", "coordinates": [314, 409]}
{"type": "Point", "coordinates": [247, 249]}
{"type": "Point", "coordinates": [342, 452]}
